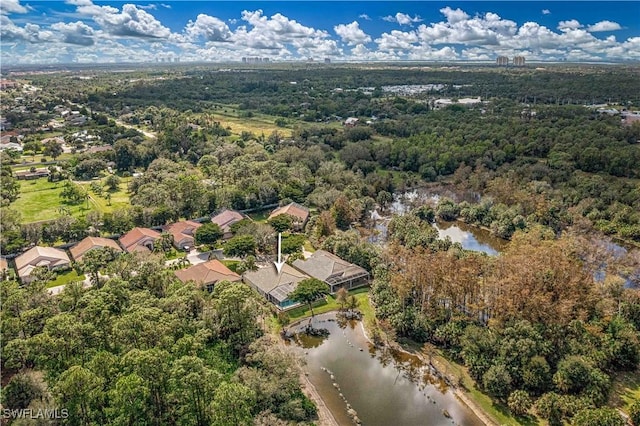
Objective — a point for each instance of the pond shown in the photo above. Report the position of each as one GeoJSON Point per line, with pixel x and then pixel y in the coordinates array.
{"type": "Point", "coordinates": [383, 386]}
{"type": "Point", "coordinates": [470, 237]}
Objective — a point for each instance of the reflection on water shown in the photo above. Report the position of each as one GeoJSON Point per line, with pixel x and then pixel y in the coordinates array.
{"type": "Point", "coordinates": [385, 387]}
{"type": "Point", "coordinates": [471, 237]}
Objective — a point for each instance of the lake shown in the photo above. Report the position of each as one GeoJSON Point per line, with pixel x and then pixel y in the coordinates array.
{"type": "Point", "coordinates": [385, 387]}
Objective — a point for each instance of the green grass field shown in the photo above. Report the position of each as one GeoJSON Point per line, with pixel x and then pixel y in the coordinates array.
{"type": "Point", "coordinates": [329, 304]}
{"type": "Point", "coordinates": [40, 199]}
{"type": "Point", "coordinates": [258, 124]}
{"type": "Point", "coordinates": [64, 278]}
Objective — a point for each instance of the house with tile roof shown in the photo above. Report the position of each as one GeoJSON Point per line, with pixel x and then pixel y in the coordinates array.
{"type": "Point", "coordinates": [225, 219]}
{"type": "Point", "coordinates": [139, 239]}
{"type": "Point", "coordinates": [332, 270]}
{"type": "Point", "coordinates": [49, 257]}
{"type": "Point", "coordinates": [299, 213]}
{"type": "Point", "coordinates": [207, 274]}
{"type": "Point", "coordinates": [273, 286]}
{"type": "Point", "coordinates": [91, 243]}
{"type": "Point", "coordinates": [183, 233]}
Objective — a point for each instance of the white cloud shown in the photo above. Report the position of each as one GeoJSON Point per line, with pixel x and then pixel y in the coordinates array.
{"type": "Point", "coordinates": [402, 19]}
{"type": "Point", "coordinates": [130, 22]}
{"type": "Point", "coordinates": [397, 40]}
{"type": "Point", "coordinates": [147, 7]}
{"type": "Point", "coordinates": [604, 26]}
{"type": "Point", "coordinates": [209, 28]}
{"type": "Point", "coordinates": [546, 12]}
{"type": "Point", "coordinates": [12, 6]}
{"type": "Point", "coordinates": [569, 25]}
{"type": "Point", "coordinates": [454, 16]}
{"type": "Point", "coordinates": [274, 32]}
{"type": "Point", "coordinates": [364, 16]}
{"type": "Point", "coordinates": [129, 33]}
{"type": "Point", "coordinates": [30, 33]}
{"type": "Point", "coordinates": [77, 33]}
{"type": "Point", "coordinates": [352, 34]}
{"type": "Point", "coordinates": [489, 29]}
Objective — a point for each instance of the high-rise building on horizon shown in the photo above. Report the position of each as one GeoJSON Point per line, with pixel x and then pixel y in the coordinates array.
{"type": "Point", "coordinates": [518, 61]}
{"type": "Point", "coordinates": [502, 60]}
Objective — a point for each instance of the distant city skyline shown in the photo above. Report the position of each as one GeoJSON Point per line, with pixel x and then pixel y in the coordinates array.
{"type": "Point", "coordinates": [81, 31]}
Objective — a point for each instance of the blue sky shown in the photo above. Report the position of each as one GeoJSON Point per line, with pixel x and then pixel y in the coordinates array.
{"type": "Point", "coordinates": [119, 31]}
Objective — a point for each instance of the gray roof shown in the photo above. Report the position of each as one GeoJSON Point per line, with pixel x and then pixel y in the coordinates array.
{"type": "Point", "coordinates": [267, 279]}
{"type": "Point", "coordinates": [328, 267]}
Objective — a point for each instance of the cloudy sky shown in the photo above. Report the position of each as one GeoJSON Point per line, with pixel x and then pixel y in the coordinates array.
{"type": "Point", "coordinates": [88, 31]}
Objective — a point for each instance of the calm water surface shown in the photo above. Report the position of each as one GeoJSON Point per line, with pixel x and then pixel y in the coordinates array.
{"type": "Point", "coordinates": [384, 387]}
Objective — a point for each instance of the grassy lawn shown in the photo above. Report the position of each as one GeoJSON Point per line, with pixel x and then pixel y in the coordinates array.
{"type": "Point", "coordinates": [65, 278]}
{"type": "Point", "coordinates": [174, 254]}
{"type": "Point", "coordinates": [40, 199]}
{"type": "Point", "coordinates": [231, 264]}
{"type": "Point", "coordinates": [329, 304]}
{"type": "Point", "coordinates": [119, 198]}
{"type": "Point", "coordinates": [258, 124]}
{"type": "Point", "coordinates": [260, 216]}
{"type": "Point", "coordinates": [37, 158]}
{"type": "Point", "coordinates": [308, 247]}
{"type": "Point", "coordinates": [625, 390]}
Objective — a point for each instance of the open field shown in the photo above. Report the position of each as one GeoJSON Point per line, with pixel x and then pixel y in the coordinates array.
{"type": "Point", "coordinates": [40, 200]}
{"type": "Point", "coordinates": [258, 124]}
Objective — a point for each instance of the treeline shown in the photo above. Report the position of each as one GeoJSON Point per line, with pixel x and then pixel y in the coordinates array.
{"type": "Point", "coordinates": [143, 348]}
{"type": "Point", "coordinates": [271, 90]}
{"type": "Point", "coordinates": [535, 329]}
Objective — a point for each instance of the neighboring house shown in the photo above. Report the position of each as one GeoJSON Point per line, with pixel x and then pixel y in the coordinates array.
{"type": "Point", "coordinates": [299, 213]}
{"type": "Point", "coordinates": [273, 286]}
{"type": "Point", "coordinates": [29, 175]}
{"type": "Point", "coordinates": [329, 268]}
{"type": "Point", "coordinates": [50, 257]}
{"type": "Point", "coordinates": [11, 145]}
{"type": "Point", "coordinates": [183, 233]}
{"type": "Point", "coordinates": [90, 243]}
{"type": "Point", "coordinates": [207, 274]}
{"type": "Point", "coordinates": [139, 239]}
{"type": "Point", "coordinates": [351, 121]}
{"type": "Point", "coordinates": [225, 219]}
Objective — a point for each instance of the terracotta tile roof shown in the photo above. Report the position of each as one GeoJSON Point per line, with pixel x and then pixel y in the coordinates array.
{"type": "Point", "coordinates": [226, 218]}
{"type": "Point", "coordinates": [182, 230]}
{"type": "Point", "coordinates": [131, 239]}
{"type": "Point", "coordinates": [40, 256]}
{"type": "Point", "coordinates": [89, 243]}
{"type": "Point", "coordinates": [207, 273]}
{"type": "Point", "coordinates": [293, 209]}
{"type": "Point", "coordinates": [4, 264]}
